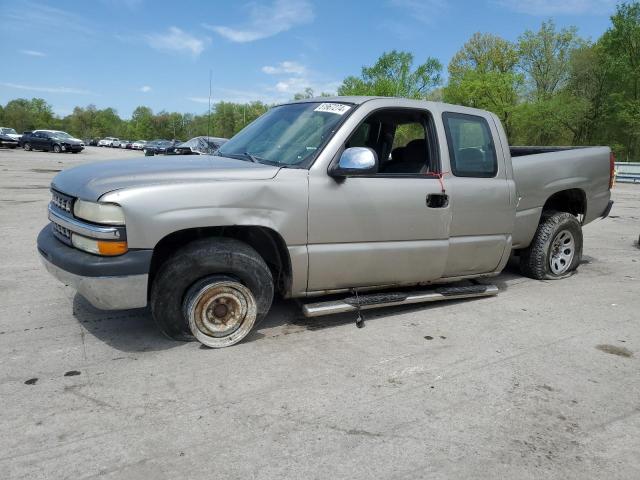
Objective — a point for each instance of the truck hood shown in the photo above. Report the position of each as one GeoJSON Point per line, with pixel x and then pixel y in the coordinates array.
{"type": "Point", "coordinates": [91, 181]}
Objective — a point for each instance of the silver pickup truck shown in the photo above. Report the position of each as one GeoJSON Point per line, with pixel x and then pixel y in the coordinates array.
{"type": "Point", "coordinates": [376, 199]}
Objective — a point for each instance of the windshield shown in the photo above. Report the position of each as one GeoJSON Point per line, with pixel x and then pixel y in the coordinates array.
{"type": "Point", "coordinates": [288, 134]}
{"type": "Point", "coordinates": [61, 134]}
{"type": "Point", "coordinates": [9, 131]}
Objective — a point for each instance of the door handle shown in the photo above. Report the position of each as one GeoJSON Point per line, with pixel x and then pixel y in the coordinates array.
{"type": "Point", "coordinates": [437, 200]}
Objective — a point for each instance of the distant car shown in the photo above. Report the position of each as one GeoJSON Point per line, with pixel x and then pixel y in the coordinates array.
{"type": "Point", "coordinates": [51, 140]}
{"type": "Point", "coordinates": [158, 146]}
{"type": "Point", "coordinates": [197, 146]}
{"type": "Point", "coordinates": [7, 141]}
{"type": "Point", "coordinates": [107, 141]}
{"type": "Point", "coordinates": [61, 134]}
{"type": "Point", "coordinates": [92, 142]}
{"type": "Point", "coordinates": [125, 144]}
{"type": "Point", "coordinates": [11, 132]}
{"type": "Point", "coordinates": [139, 144]}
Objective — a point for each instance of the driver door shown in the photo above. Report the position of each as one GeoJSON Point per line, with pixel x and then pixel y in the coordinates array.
{"type": "Point", "coordinates": [380, 229]}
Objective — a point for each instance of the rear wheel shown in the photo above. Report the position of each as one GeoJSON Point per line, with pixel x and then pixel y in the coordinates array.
{"type": "Point", "coordinates": [556, 249]}
{"type": "Point", "coordinates": [215, 290]}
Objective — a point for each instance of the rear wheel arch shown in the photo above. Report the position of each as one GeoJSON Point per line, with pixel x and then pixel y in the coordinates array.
{"type": "Point", "coordinates": [267, 242]}
{"type": "Point", "coordinates": [573, 201]}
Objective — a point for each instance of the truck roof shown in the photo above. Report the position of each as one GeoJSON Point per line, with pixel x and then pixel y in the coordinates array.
{"type": "Point", "coordinates": [401, 101]}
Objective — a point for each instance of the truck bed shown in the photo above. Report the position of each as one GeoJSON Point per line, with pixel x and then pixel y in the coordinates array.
{"type": "Point", "coordinates": [540, 172]}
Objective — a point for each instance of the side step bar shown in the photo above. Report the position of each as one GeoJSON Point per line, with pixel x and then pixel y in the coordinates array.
{"type": "Point", "coordinates": [366, 302]}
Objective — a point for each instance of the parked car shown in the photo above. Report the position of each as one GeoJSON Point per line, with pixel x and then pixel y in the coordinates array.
{"type": "Point", "coordinates": [92, 142]}
{"type": "Point", "coordinates": [157, 146]}
{"type": "Point", "coordinates": [107, 141]}
{"type": "Point", "coordinates": [10, 132]}
{"type": "Point", "coordinates": [139, 144]}
{"type": "Point", "coordinates": [61, 134]}
{"type": "Point", "coordinates": [8, 141]}
{"type": "Point", "coordinates": [323, 196]}
{"type": "Point", "coordinates": [125, 144]}
{"type": "Point", "coordinates": [197, 146]}
{"type": "Point", "coordinates": [51, 140]}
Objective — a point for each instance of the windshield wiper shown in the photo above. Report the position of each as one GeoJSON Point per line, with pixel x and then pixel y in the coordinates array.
{"type": "Point", "coordinates": [251, 157]}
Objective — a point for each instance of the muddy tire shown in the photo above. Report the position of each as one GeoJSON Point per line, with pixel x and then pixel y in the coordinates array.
{"type": "Point", "coordinates": [556, 249]}
{"type": "Point", "coordinates": [190, 287]}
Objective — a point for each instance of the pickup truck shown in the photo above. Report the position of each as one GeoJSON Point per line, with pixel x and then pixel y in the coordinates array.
{"type": "Point", "coordinates": [343, 195]}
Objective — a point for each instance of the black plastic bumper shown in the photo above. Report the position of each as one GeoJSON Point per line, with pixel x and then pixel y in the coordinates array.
{"type": "Point", "coordinates": [77, 262]}
{"type": "Point", "coordinates": [607, 210]}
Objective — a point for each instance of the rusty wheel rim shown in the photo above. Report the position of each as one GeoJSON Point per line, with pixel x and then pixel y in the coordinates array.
{"type": "Point", "coordinates": [220, 313]}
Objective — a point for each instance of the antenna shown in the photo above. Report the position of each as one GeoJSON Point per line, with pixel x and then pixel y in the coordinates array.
{"type": "Point", "coordinates": [209, 115]}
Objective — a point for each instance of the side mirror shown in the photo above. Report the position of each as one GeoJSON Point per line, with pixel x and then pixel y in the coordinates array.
{"type": "Point", "coordinates": [356, 161]}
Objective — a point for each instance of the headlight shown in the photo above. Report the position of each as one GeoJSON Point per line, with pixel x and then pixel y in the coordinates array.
{"type": "Point", "coordinates": [106, 213]}
{"type": "Point", "coordinates": [99, 247]}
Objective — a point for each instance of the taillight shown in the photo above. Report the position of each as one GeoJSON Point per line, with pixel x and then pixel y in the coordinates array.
{"type": "Point", "coordinates": [612, 169]}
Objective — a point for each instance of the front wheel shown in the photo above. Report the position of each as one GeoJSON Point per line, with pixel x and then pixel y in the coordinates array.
{"type": "Point", "coordinates": [215, 290]}
{"type": "Point", "coordinates": [556, 249]}
{"type": "Point", "coordinates": [27, 147]}
{"type": "Point", "coordinates": [56, 148]}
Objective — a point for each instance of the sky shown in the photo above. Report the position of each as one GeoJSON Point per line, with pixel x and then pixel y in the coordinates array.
{"type": "Point", "coordinates": [125, 53]}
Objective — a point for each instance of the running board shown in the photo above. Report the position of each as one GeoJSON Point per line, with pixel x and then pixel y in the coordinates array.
{"type": "Point", "coordinates": [376, 300]}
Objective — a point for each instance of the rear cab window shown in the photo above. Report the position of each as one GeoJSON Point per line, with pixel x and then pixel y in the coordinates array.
{"type": "Point", "coordinates": [471, 148]}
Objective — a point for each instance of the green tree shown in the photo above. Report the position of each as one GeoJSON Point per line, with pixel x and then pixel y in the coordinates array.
{"type": "Point", "coordinates": [545, 57]}
{"type": "Point", "coordinates": [141, 123]}
{"type": "Point", "coordinates": [393, 75]}
{"type": "Point", "coordinates": [621, 43]}
{"type": "Point", "coordinates": [483, 75]}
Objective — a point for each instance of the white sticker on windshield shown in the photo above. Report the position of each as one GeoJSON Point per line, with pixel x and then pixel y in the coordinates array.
{"type": "Point", "coordinates": [337, 108]}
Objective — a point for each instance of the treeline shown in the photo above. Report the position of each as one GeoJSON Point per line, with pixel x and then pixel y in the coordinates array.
{"type": "Point", "coordinates": [225, 120]}
{"type": "Point", "coordinates": [549, 87]}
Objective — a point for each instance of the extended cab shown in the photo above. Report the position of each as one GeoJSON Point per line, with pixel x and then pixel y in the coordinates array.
{"type": "Point", "coordinates": [347, 194]}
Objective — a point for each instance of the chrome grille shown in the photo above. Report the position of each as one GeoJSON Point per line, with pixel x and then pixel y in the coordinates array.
{"type": "Point", "coordinates": [61, 201]}
{"type": "Point", "coordinates": [60, 230]}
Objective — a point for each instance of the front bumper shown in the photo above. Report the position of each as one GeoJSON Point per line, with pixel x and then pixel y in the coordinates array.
{"type": "Point", "coordinates": [108, 283]}
{"type": "Point", "coordinates": [72, 148]}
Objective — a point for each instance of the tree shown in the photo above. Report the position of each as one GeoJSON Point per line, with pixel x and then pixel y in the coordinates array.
{"type": "Point", "coordinates": [141, 123]}
{"type": "Point", "coordinates": [393, 76]}
{"type": "Point", "coordinates": [23, 114]}
{"type": "Point", "coordinates": [621, 43]}
{"type": "Point", "coordinates": [483, 75]}
{"type": "Point", "coordinates": [545, 57]}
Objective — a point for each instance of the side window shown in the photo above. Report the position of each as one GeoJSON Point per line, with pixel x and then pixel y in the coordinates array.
{"type": "Point", "coordinates": [471, 147]}
{"type": "Point", "coordinates": [400, 139]}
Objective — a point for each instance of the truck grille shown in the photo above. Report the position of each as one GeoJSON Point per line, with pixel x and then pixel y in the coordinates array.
{"type": "Point", "coordinates": [61, 231]}
{"type": "Point", "coordinates": [63, 204]}
{"type": "Point", "coordinates": [61, 201]}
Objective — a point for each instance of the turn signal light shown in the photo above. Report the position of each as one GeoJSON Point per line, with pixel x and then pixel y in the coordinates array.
{"type": "Point", "coordinates": [112, 248]}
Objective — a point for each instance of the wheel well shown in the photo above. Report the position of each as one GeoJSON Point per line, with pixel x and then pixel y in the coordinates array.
{"type": "Point", "coordinates": [267, 242]}
{"type": "Point", "coordinates": [572, 201]}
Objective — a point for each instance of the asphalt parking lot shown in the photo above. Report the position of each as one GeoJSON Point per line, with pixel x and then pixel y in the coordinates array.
{"type": "Point", "coordinates": [542, 381]}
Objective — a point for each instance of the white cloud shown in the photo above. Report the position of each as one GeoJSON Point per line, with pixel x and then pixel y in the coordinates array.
{"type": "Point", "coordinates": [285, 67]}
{"type": "Point", "coordinates": [555, 7]}
{"type": "Point", "coordinates": [33, 88]}
{"type": "Point", "coordinates": [176, 41]}
{"type": "Point", "coordinates": [267, 20]}
{"type": "Point", "coordinates": [36, 16]}
{"type": "Point", "coordinates": [32, 53]}
{"type": "Point", "coordinates": [424, 11]}
{"type": "Point", "coordinates": [145, 88]}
